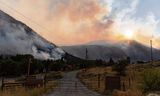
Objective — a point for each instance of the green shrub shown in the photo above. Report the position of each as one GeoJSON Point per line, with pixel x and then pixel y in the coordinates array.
{"type": "Point", "coordinates": [151, 80]}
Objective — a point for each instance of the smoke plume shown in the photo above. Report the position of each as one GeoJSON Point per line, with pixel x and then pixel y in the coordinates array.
{"type": "Point", "coordinates": [17, 38]}
{"type": "Point", "coordinates": [79, 21]}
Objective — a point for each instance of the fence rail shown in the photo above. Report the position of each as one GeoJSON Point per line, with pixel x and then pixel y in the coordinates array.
{"type": "Point", "coordinates": [11, 86]}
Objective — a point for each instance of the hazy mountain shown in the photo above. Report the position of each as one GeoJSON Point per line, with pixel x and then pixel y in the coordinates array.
{"type": "Point", "coordinates": [105, 50]}
{"type": "Point", "coordinates": [18, 38]}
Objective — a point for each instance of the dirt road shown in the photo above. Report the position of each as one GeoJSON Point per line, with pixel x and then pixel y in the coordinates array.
{"type": "Point", "coordinates": [71, 86]}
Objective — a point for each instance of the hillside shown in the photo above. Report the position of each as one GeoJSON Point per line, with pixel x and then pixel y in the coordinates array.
{"type": "Point", "coordinates": [104, 50]}
{"type": "Point", "coordinates": [18, 38]}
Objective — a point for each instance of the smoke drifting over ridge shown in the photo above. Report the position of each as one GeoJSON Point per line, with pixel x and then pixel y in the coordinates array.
{"type": "Point", "coordinates": [17, 38]}
{"type": "Point", "coordinates": [79, 21]}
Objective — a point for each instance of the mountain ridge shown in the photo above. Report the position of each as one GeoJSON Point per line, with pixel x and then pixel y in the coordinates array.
{"type": "Point", "coordinates": [135, 50]}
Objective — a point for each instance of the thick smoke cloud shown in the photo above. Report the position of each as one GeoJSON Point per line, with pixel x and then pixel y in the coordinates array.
{"type": "Point", "coordinates": [17, 38]}
{"type": "Point", "coordinates": [80, 21]}
{"type": "Point", "coordinates": [69, 21]}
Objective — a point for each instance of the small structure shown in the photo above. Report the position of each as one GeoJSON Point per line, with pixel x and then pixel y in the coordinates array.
{"type": "Point", "coordinates": [33, 81]}
{"type": "Point", "coordinates": [112, 83]}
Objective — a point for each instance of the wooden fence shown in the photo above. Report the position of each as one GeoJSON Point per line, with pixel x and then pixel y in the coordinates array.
{"type": "Point", "coordinates": [11, 86]}
{"type": "Point", "coordinates": [30, 82]}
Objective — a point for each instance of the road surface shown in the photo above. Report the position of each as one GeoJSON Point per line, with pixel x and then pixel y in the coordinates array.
{"type": "Point", "coordinates": [71, 86]}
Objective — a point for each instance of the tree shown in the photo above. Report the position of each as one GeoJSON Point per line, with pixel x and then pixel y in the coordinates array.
{"type": "Point", "coordinates": [128, 60]}
{"type": "Point", "coordinates": [111, 62]}
{"type": "Point", "coordinates": [9, 68]}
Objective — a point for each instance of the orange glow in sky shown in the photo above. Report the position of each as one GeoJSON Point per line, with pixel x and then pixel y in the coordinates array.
{"type": "Point", "coordinates": [69, 22]}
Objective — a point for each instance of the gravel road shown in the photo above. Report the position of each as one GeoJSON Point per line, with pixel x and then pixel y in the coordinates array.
{"type": "Point", "coordinates": [71, 86]}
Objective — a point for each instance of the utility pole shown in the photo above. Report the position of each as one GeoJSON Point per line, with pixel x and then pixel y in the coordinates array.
{"type": "Point", "coordinates": [2, 82]}
{"type": "Point", "coordinates": [29, 67]}
{"type": "Point", "coordinates": [86, 54]}
{"type": "Point", "coordinates": [151, 44]}
{"type": "Point", "coordinates": [99, 82]}
{"type": "Point", "coordinates": [86, 57]}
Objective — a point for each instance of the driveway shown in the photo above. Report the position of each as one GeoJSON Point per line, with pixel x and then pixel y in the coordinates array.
{"type": "Point", "coordinates": [71, 86]}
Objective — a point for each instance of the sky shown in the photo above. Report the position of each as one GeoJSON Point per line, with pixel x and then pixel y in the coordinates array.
{"type": "Point", "coordinates": [70, 22]}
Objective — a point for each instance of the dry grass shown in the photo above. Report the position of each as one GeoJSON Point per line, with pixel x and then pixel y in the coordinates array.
{"type": "Point", "coordinates": [19, 92]}
{"type": "Point", "coordinates": [127, 93]}
{"type": "Point", "coordinates": [90, 78]}
{"type": "Point", "coordinates": [134, 72]}
{"type": "Point", "coordinates": [31, 92]}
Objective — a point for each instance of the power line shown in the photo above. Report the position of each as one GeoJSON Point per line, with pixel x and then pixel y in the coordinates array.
{"type": "Point", "coordinates": [27, 18]}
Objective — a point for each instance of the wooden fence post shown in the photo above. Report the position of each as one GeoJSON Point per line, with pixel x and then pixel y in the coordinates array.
{"type": "Point", "coordinates": [99, 78]}
{"type": "Point", "coordinates": [123, 85]}
{"type": "Point", "coordinates": [76, 85]}
{"type": "Point", "coordinates": [2, 83]}
{"type": "Point", "coordinates": [129, 82]}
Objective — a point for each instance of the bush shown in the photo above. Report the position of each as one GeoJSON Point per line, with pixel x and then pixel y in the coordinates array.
{"type": "Point", "coordinates": [151, 80]}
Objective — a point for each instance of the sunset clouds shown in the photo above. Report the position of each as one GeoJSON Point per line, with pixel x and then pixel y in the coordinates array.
{"type": "Point", "coordinates": [79, 21]}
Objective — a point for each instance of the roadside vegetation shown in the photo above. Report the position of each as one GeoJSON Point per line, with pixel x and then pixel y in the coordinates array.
{"type": "Point", "coordinates": [151, 80]}
{"type": "Point", "coordinates": [138, 79]}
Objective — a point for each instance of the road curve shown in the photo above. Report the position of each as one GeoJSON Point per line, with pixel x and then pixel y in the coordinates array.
{"type": "Point", "coordinates": [71, 86]}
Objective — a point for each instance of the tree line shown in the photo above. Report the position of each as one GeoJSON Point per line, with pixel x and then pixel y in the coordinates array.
{"type": "Point", "coordinates": [18, 65]}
